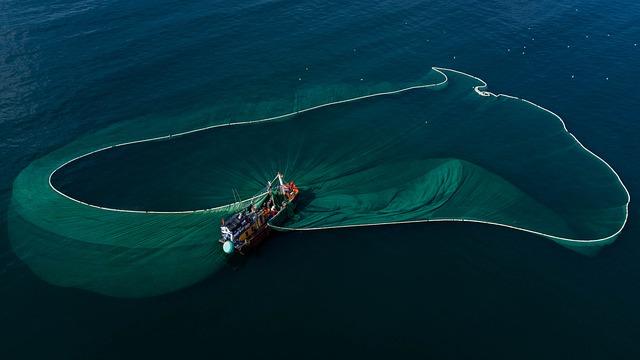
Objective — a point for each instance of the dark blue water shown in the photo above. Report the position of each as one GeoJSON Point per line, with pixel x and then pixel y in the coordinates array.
{"type": "Point", "coordinates": [447, 291]}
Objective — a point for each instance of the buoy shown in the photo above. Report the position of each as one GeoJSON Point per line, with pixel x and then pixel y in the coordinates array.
{"type": "Point", "coordinates": [227, 247]}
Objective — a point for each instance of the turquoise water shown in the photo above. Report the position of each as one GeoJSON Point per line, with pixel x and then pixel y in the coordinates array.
{"type": "Point", "coordinates": [443, 290]}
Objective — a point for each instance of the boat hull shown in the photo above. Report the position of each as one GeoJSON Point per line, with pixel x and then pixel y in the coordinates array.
{"type": "Point", "coordinates": [265, 230]}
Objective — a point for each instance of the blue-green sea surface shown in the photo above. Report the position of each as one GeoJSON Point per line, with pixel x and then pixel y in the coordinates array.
{"type": "Point", "coordinates": [77, 75]}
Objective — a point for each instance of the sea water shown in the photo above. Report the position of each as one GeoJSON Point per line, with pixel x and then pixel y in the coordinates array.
{"type": "Point", "coordinates": [73, 68]}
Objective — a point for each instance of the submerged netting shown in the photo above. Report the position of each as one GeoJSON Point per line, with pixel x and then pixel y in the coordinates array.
{"type": "Point", "coordinates": [456, 153]}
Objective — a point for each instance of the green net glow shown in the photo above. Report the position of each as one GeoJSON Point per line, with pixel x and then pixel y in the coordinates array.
{"type": "Point", "coordinates": [141, 218]}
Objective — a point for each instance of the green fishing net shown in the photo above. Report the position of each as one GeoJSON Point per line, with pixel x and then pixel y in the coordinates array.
{"type": "Point", "coordinates": [441, 150]}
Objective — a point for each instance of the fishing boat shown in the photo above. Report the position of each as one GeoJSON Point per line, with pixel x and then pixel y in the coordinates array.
{"type": "Point", "coordinates": [246, 229]}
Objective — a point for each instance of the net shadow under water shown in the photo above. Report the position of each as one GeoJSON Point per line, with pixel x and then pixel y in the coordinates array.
{"type": "Point", "coordinates": [412, 156]}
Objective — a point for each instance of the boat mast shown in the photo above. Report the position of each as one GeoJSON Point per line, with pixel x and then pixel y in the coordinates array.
{"type": "Point", "coordinates": [270, 192]}
{"type": "Point", "coordinates": [279, 176]}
